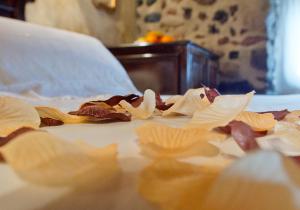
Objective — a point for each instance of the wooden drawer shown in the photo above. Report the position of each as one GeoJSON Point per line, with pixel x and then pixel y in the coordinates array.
{"type": "Point", "coordinates": [170, 68]}
{"type": "Point", "coordinates": [12, 8]}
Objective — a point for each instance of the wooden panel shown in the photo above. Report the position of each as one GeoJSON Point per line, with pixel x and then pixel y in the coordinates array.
{"type": "Point", "coordinates": [13, 8]}
{"type": "Point", "coordinates": [170, 68]}
{"type": "Point", "coordinates": [152, 72]}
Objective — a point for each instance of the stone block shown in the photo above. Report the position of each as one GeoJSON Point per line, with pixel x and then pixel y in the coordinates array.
{"type": "Point", "coordinates": [252, 40]}
{"type": "Point", "coordinates": [259, 59]}
{"type": "Point", "coordinates": [152, 17]}
{"type": "Point", "coordinates": [205, 2]}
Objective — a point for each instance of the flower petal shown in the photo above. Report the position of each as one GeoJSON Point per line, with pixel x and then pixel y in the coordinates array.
{"type": "Point", "coordinates": [41, 158]}
{"type": "Point", "coordinates": [258, 122]}
{"type": "Point", "coordinates": [15, 114]}
{"type": "Point", "coordinates": [52, 113]}
{"type": "Point", "coordinates": [146, 109]}
{"type": "Point", "coordinates": [189, 103]}
{"type": "Point", "coordinates": [157, 140]}
{"type": "Point", "coordinates": [223, 110]}
{"type": "Point", "coordinates": [176, 185]}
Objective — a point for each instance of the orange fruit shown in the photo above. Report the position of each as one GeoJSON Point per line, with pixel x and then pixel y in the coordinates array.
{"type": "Point", "coordinates": [154, 33]}
{"type": "Point", "coordinates": [167, 38]}
{"type": "Point", "coordinates": [151, 38]}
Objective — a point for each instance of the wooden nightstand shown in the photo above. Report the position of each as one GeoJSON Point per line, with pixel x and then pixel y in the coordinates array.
{"type": "Point", "coordinates": [170, 68]}
{"type": "Point", "coordinates": [13, 8]}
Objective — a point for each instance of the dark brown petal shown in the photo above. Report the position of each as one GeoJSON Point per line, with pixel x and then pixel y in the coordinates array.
{"type": "Point", "coordinates": [211, 94]}
{"type": "Point", "coordinates": [296, 159]}
{"type": "Point", "coordinates": [160, 104]}
{"type": "Point", "coordinates": [115, 100]}
{"type": "Point", "coordinates": [243, 135]}
{"type": "Point", "coordinates": [101, 113]}
{"type": "Point", "coordinates": [278, 115]}
{"type": "Point", "coordinates": [16, 133]}
{"type": "Point", "coordinates": [137, 102]}
{"type": "Point", "coordinates": [50, 122]}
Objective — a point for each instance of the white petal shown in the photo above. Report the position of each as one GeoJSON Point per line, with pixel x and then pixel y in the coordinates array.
{"type": "Point", "coordinates": [189, 103]}
{"type": "Point", "coordinates": [224, 109]}
{"type": "Point", "coordinates": [145, 110]}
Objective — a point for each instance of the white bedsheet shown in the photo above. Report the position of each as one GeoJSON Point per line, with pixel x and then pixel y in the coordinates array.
{"type": "Point", "coordinates": [15, 194]}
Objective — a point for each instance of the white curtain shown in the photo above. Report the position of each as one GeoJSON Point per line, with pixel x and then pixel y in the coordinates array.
{"type": "Point", "coordinates": [284, 46]}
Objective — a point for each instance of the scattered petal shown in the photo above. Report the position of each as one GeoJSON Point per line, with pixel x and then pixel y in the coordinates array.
{"type": "Point", "coordinates": [97, 113]}
{"type": "Point", "coordinates": [161, 105]}
{"type": "Point", "coordinates": [11, 136]}
{"type": "Point", "coordinates": [145, 110]}
{"type": "Point", "coordinates": [211, 94]}
{"type": "Point", "coordinates": [16, 133]}
{"type": "Point", "coordinates": [173, 99]}
{"type": "Point", "coordinates": [41, 158]}
{"type": "Point", "coordinates": [113, 101]}
{"type": "Point", "coordinates": [278, 115]}
{"type": "Point", "coordinates": [293, 117]}
{"type": "Point", "coordinates": [223, 110]}
{"type": "Point", "coordinates": [188, 104]}
{"type": "Point", "coordinates": [243, 135]}
{"type": "Point", "coordinates": [258, 122]}
{"type": "Point", "coordinates": [55, 114]}
{"type": "Point", "coordinates": [157, 140]}
{"type": "Point", "coordinates": [50, 122]}
{"type": "Point", "coordinates": [15, 114]}
{"type": "Point", "coordinates": [285, 139]}
{"type": "Point", "coordinates": [260, 181]}
{"type": "Point", "coordinates": [176, 185]}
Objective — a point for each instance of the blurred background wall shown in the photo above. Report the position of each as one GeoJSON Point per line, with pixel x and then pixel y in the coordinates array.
{"type": "Point", "coordinates": [234, 29]}
{"type": "Point", "coordinates": [112, 27]}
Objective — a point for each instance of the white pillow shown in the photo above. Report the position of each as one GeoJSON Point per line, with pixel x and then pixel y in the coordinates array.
{"type": "Point", "coordinates": [54, 62]}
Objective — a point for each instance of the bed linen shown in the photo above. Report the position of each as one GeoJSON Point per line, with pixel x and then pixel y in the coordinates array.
{"type": "Point", "coordinates": [16, 194]}
{"type": "Point", "coordinates": [55, 62]}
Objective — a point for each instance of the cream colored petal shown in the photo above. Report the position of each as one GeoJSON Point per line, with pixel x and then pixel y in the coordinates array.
{"type": "Point", "coordinates": [173, 99]}
{"type": "Point", "coordinates": [286, 139]}
{"type": "Point", "coordinates": [49, 112]}
{"type": "Point", "coordinates": [15, 113]}
{"type": "Point", "coordinates": [175, 185]}
{"type": "Point", "coordinates": [224, 109]}
{"type": "Point", "coordinates": [260, 181]}
{"type": "Point", "coordinates": [229, 148]}
{"type": "Point", "coordinates": [41, 158]}
{"type": "Point", "coordinates": [258, 122]}
{"type": "Point", "coordinates": [145, 110]}
{"type": "Point", "coordinates": [157, 140]}
{"type": "Point", "coordinates": [189, 103]}
{"type": "Point", "coordinates": [293, 117]}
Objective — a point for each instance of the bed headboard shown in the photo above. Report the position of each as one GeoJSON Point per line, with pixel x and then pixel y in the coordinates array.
{"type": "Point", "coordinates": [13, 8]}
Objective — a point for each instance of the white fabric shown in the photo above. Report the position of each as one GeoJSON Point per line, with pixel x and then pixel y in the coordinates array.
{"type": "Point", "coordinates": [123, 195]}
{"type": "Point", "coordinates": [54, 62]}
{"type": "Point", "coordinates": [284, 45]}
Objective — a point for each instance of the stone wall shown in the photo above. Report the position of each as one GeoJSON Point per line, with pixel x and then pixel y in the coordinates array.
{"type": "Point", "coordinates": [234, 29]}
{"type": "Point", "coordinates": [111, 27]}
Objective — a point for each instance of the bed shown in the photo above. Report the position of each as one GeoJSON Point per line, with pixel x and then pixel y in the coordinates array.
{"type": "Point", "coordinates": [49, 72]}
